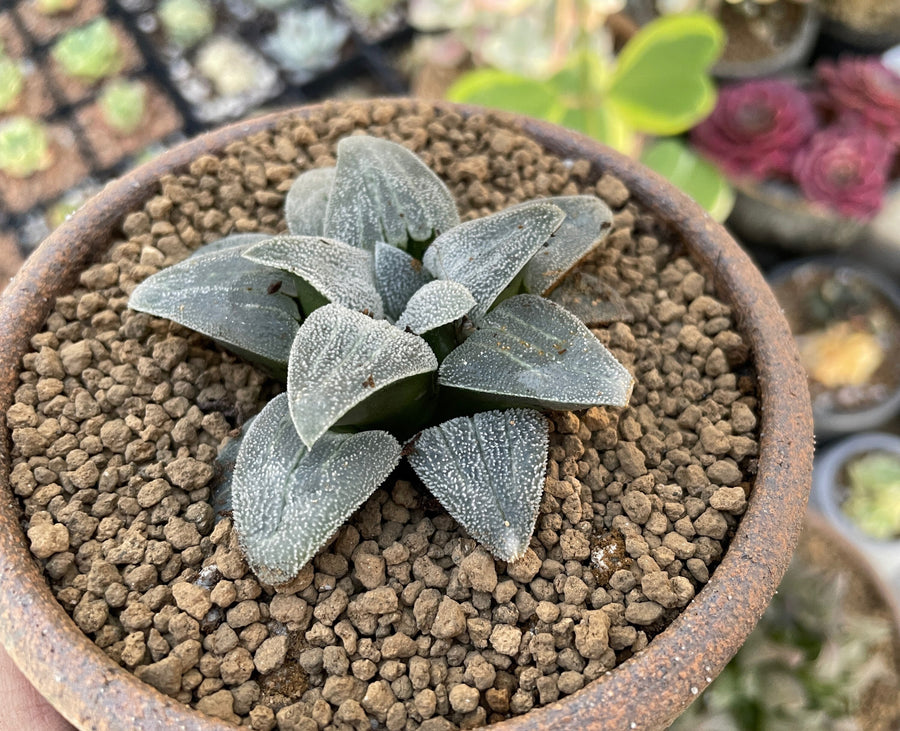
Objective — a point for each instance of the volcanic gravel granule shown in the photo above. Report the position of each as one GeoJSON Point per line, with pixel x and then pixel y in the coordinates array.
{"type": "Point", "coordinates": [403, 620]}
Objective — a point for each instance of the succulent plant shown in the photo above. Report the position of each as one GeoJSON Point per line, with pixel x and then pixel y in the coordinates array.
{"type": "Point", "coordinates": [11, 81]}
{"type": "Point", "coordinates": [186, 22]}
{"type": "Point", "coordinates": [122, 104]}
{"type": "Point", "coordinates": [805, 666]}
{"type": "Point", "coordinates": [230, 65]}
{"type": "Point", "coordinates": [56, 7]}
{"type": "Point", "coordinates": [756, 128]}
{"type": "Point", "coordinates": [873, 494]}
{"type": "Point", "coordinates": [866, 89]}
{"type": "Point", "coordinates": [846, 353]}
{"type": "Point", "coordinates": [369, 9]}
{"type": "Point", "coordinates": [24, 149]}
{"type": "Point", "coordinates": [91, 52]}
{"type": "Point", "coordinates": [306, 41]}
{"type": "Point", "coordinates": [415, 326]}
{"type": "Point", "coordinates": [845, 168]}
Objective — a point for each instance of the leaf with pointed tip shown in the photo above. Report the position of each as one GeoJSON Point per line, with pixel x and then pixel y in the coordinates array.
{"type": "Point", "coordinates": [437, 303]}
{"type": "Point", "coordinates": [234, 240]}
{"type": "Point", "coordinates": [228, 298]}
{"type": "Point", "coordinates": [588, 221]}
{"type": "Point", "coordinates": [384, 192]}
{"type": "Point", "coordinates": [591, 300]}
{"type": "Point", "coordinates": [338, 272]}
{"type": "Point", "coordinates": [306, 201]}
{"type": "Point", "coordinates": [488, 471]}
{"type": "Point", "coordinates": [486, 254]}
{"type": "Point", "coordinates": [340, 358]}
{"type": "Point", "coordinates": [398, 276]}
{"type": "Point", "coordinates": [288, 501]}
{"type": "Point", "coordinates": [531, 352]}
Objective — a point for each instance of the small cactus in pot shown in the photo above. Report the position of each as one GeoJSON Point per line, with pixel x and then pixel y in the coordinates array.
{"type": "Point", "coordinates": [401, 333]}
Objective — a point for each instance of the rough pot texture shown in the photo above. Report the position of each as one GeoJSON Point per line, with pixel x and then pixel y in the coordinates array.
{"type": "Point", "coordinates": [646, 691]}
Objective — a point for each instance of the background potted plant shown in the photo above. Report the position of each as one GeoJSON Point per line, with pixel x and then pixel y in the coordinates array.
{"type": "Point", "coordinates": [669, 653]}
{"type": "Point", "coordinates": [855, 485]}
{"type": "Point", "coordinates": [846, 319]}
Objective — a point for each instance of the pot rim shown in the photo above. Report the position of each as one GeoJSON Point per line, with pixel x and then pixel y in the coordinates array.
{"type": "Point", "coordinates": [77, 677]}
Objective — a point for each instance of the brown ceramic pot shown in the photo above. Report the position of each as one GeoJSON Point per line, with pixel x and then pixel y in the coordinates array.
{"type": "Point", "coordinates": [645, 692]}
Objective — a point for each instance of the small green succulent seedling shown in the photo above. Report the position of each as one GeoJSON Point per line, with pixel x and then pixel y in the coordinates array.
{"type": "Point", "coordinates": [186, 22]}
{"type": "Point", "coordinates": [11, 81]}
{"type": "Point", "coordinates": [24, 148]}
{"type": "Point", "coordinates": [873, 494]}
{"type": "Point", "coordinates": [306, 41]}
{"type": "Point", "coordinates": [122, 104]}
{"type": "Point", "coordinates": [91, 52]}
{"type": "Point", "coordinates": [414, 326]}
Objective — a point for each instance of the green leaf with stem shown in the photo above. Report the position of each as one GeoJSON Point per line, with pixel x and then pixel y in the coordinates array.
{"type": "Point", "coordinates": [661, 82]}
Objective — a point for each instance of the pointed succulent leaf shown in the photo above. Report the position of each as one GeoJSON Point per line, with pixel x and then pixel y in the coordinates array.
{"type": "Point", "coordinates": [591, 300]}
{"type": "Point", "coordinates": [588, 221]}
{"type": "Point", "coordinates": [224, 472]}
{"type": "Point", "coordinates": [234, 240]}
{"type": "Point", "coordinates": [340, 358]}
{"type": "Point", "coordinates": [384, 192]}
{"type": "Point", "coordinates": [531, 352]}
{"type": "Point", "coordinates": [486, 254]}
{"type": "Point", "coordinates": [488, 471]}
{"type": "Point", "coordinates": [234, 301]}
{"type": "Point", "coordinates": [288, 500]}
{"type": "Point", "coordinates": [339, 272]}
{"type": "Point", "coordinates": [437, 303]}
{"type": "Point", "coordinates": [398, 276]}
{"type": "Point", "coordinates": [306, 201]}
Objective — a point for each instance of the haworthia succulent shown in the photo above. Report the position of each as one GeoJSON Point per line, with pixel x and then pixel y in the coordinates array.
{"type": "Point", "coordinates": [288, 500]}
{"type": "Point", "coordinates": [531, 352]}
{"type": "Point", "coordinates": [338, 272]}
{"type": "Point", "coordinates": [398, 276]}
{"type": "Point", "coordinates": [228, 298]}
{"type": "Point", "coordinates": [588, 221]}
{"type": "Point", "coordinates": [486, 254]}
{"type": "Point", "coordinates": [224, 471]}
{"type": "Point", "coordinates": [384, 192]}
{"type": "Point", "coordinates": [307, 200]}
{"type": "Point", "coordinates": [340, 358]}
{"type": "Point", "coordinates": [436, 303]}
{"type": "Point", "coordinates": [488, 471]}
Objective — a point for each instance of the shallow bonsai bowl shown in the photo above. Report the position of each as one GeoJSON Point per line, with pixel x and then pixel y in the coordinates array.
{"type": "Point", "coordinates": [646, 691]}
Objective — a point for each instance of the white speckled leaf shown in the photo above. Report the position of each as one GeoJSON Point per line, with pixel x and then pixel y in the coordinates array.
{"type": "Point", "coordinates": [340, 358]}
{"type": "Point", "coordinates": [488, 471]}
{"type": "Point", "coordinates": [224, 472]}
{"type": "Point", "coordinates": [486, 254]}
{"type": "Point", "coordinates": [384, 192]}
{"type": "Point", "coordinates": [228, 298]}
{"type": "Point", "coordinates": [288, 501]}
{"type": "Point", "coordinates": [306, 201]}
{"type": "Point", "coordinates": [531, 352]}
{"type": "Point", "coordinates": [398, 276]}
{"type": "Point", "coordinates": [339, 272]}
{"type": "Point", "coordinates": [435, 304]}
{"type": "Point", "coordinates": [234, 240]}
{"type": "Point", "coordinates": [588, 221]}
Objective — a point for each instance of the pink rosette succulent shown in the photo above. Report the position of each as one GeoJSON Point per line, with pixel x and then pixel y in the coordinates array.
{"type": "Point", "coordinates": [845, 168]}
{"type": "Point", "coordinates": [756, 128]}
{"type": "Point", "coordinates": [866, 90]}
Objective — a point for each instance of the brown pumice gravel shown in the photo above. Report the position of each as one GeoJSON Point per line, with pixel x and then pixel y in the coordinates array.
{"type": "Point", "coordinates": [403, 620]}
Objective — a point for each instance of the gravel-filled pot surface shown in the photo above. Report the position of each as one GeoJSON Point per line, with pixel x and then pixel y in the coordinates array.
{"type": "Point", "coordinates": [402, 620]}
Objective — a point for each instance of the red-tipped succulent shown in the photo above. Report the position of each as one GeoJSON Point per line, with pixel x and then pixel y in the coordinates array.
{"type": "Point", "coordinates": [757, 128]}
{"type": "Point", "coordinates": [846, 168]}
{"type": "Point", "coordinates": [864, 89]}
